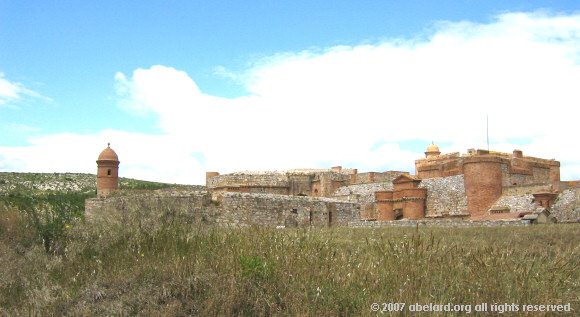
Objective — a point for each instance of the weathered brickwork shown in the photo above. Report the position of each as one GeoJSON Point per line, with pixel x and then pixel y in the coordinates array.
{"type": "Point", "coordinates": [516, 169]}
{"type": "Point", "coordinates": [526, 189]}
{"type": "Point", "coordinates": [107, 172]}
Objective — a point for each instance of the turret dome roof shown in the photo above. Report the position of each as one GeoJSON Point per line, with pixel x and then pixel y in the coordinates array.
{"type": "Point", "coordinates": [432, 148]}
{"type": "Point", "coordinates": [108, 154]}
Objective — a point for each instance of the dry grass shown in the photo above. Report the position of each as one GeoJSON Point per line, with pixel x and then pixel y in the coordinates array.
{"type": "Point", "coordinates": [177, 270]}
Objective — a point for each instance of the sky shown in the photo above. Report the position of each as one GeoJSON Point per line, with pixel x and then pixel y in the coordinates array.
{"type": "Point", "coordinates": [180, 88]}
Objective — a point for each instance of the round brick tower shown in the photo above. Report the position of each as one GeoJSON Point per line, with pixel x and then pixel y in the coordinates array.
{"type": "Point", "coordinates": [107, 172]}
{"type": "Point", "coordinates": [482, 179]}
{"type": "Point", "coordinates": [414, 204]}
{"type": "Point", "coordinates": [384, 201]}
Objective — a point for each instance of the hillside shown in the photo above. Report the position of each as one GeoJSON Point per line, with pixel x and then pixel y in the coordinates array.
{"type": "Point", "coordinates": [65, 193]}
{"type": "Point", "coordinates": [33, 184]}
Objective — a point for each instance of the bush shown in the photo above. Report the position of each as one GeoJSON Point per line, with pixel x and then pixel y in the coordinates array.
{"type": "Point", "coordinates": [48, 216]}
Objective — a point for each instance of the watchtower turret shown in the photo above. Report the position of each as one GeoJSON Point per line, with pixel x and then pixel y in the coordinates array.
{"type": "Point", "coordinates": [107, 172]}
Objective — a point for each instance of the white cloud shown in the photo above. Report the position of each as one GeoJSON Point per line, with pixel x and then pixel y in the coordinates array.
{"type": "Point", "coordinates": [148, 157]}
{"type": "Point", "coordinates": [8, 90]}
{"type": "Point", "coordinates": [327, 107]}
{"type": "Point", "coordinates": [11, 92]}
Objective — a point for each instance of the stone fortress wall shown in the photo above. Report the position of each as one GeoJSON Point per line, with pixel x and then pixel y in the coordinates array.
{"type": "Point", "coordinates": [231, 209]}
{"type": "Point", "coordinates": [479, 185]}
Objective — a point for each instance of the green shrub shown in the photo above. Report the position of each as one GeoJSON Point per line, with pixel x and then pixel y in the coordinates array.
{"type": "Point", "coordinates": [256, 267]}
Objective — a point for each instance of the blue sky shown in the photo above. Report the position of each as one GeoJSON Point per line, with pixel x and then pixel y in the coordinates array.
{"type": "Point", "coordinates": [184, 87]}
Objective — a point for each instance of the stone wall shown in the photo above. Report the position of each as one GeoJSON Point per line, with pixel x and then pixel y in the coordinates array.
{"type": "Point", "coordinates": [258, 179]}
{"type": "Point", "coordinates": [515, 203]}
{"type": "Point", "coordinates": [232, 209]}
{"type": "Point", "coordinates": [445, 196]}
{"type": "Point", "coordinates": [364, 194]}
{"type": "Point", "coordinates": [437, 223]}
{"type": "Point", "coordinates": [567, 206]}
{"type": "Point", "coordinates": [276, 210]}
{"type": "Point", "coordinates": [151, 209]}
{"type": "Point", "coordinates": [375, 177]}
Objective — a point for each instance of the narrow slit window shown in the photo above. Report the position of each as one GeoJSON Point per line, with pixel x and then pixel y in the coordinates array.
{"type": "Point", "coordinates": [109, 172]}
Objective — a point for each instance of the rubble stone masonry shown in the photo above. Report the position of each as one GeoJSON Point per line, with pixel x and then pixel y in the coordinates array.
{"type": "Point", "coordinates": [445, 196]}
{"type": "Point", "coordinates": [231, 209]}
{"type": "Point", "coordinates": [566, 208]}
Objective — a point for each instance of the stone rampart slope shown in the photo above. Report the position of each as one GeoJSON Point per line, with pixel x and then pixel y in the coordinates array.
{"type": "Point", "coordinates": [515, 203]}
{"type": "Point", "coordinates": [566, 208]}
{"type": "Point", "coordinates": [445, 196]}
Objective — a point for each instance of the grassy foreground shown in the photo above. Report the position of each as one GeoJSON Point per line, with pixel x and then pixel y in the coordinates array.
{"type": "Point", "coordinates": [176, 270]}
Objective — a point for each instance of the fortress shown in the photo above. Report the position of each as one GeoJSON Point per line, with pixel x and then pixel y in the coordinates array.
{"type": "Point", "coordinates": [480, 185]}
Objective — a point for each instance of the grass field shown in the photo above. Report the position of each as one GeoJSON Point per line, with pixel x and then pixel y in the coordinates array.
{"type": "Point", "coordinates": [179, 270]}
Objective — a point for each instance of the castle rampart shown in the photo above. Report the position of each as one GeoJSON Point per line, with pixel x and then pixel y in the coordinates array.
{"type": "Point", "coordinates": [230, 209]}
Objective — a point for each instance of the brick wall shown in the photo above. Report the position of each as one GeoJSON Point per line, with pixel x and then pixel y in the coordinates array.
{"type": "Point", "coordinates": [483, 182]}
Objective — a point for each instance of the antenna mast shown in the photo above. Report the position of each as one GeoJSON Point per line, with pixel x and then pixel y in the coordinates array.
{"type": "Point", "coordinates": [487, 129]}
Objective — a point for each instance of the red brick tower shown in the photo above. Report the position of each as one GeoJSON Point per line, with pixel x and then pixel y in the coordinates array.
{"type": "Point", "coordinates": [384, 201]}
{"type": "Point", "coordinates": [483, 181]}
{"type": "Point", "coordinates": [107, 172]}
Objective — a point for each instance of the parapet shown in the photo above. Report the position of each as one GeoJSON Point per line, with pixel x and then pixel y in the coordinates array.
{"type": "Point", "coordinates": [541, 170]}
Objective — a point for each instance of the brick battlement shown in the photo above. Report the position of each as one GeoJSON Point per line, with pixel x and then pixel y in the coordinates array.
{"type": "Point", "coordinates": [542, 170]}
